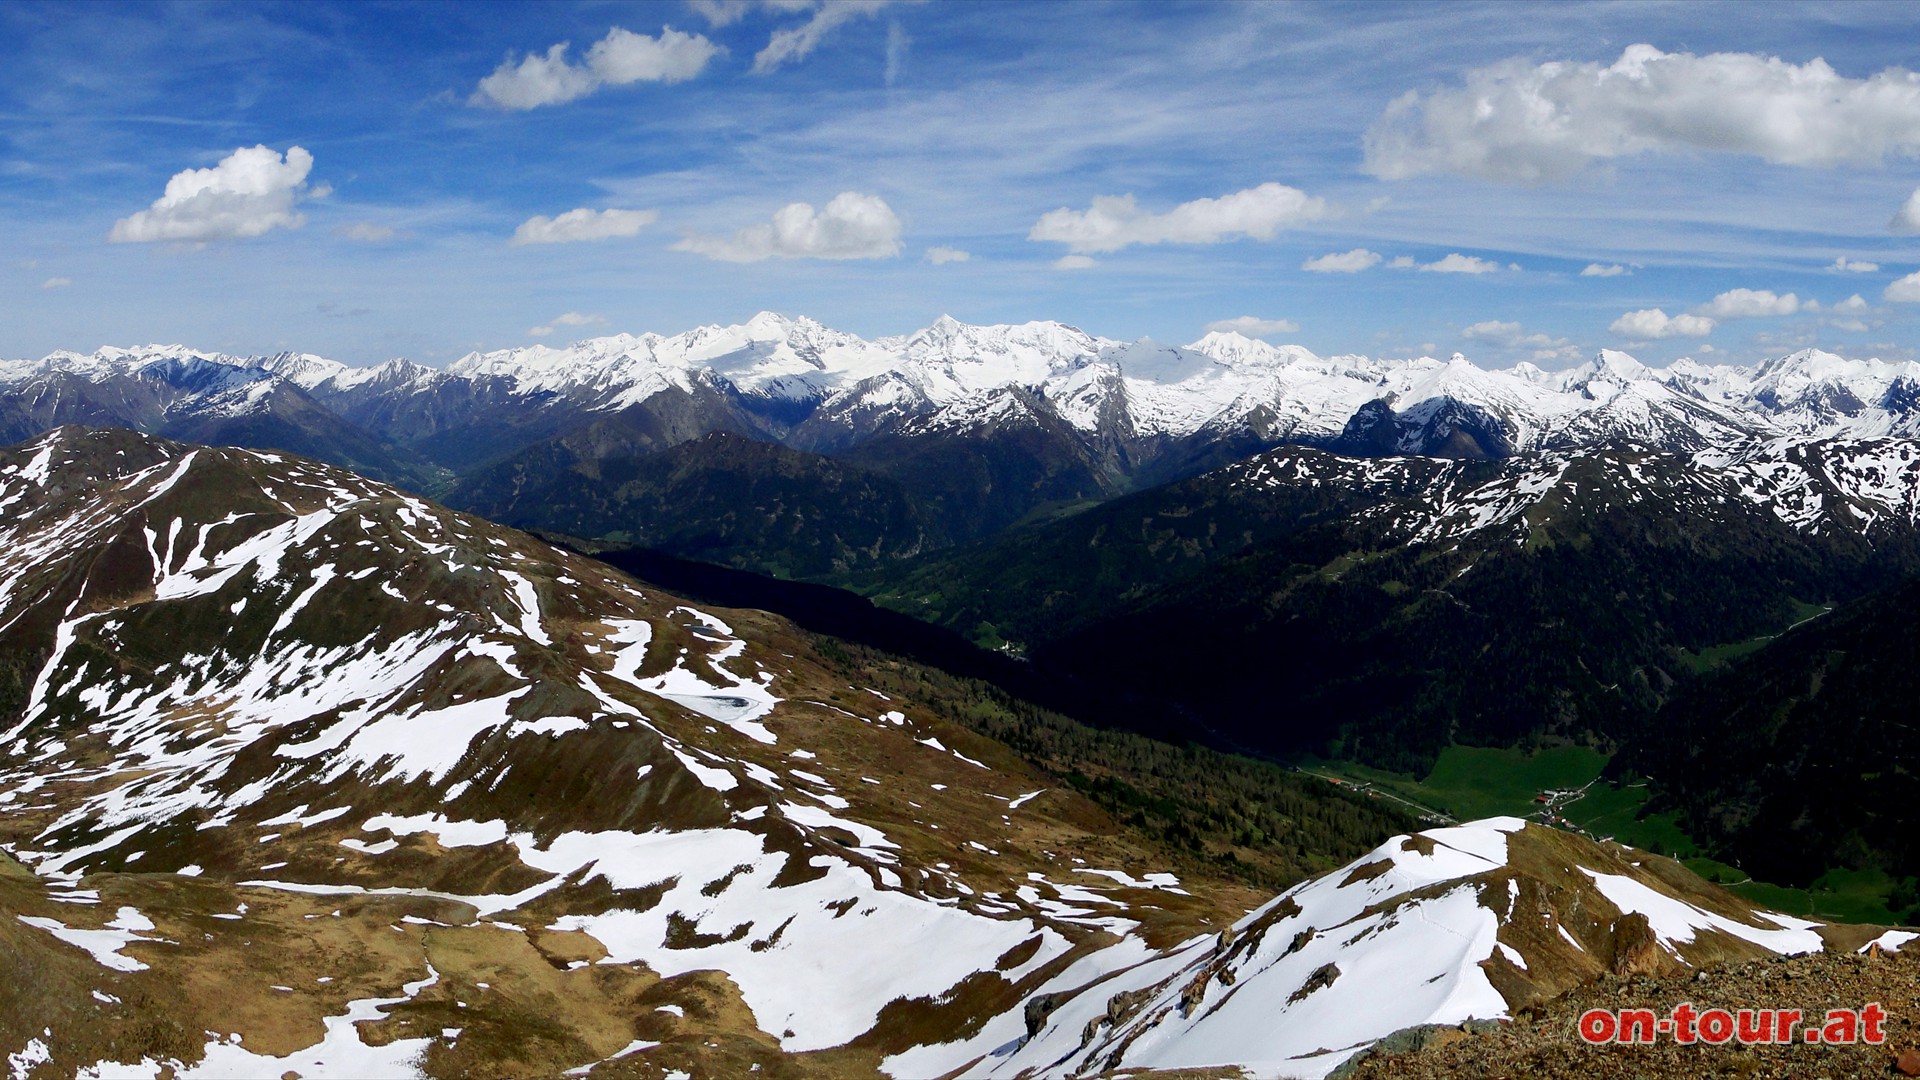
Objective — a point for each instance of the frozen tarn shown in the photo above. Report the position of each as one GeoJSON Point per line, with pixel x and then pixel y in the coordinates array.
{"type": "Point", "coordinates": [739, 704]}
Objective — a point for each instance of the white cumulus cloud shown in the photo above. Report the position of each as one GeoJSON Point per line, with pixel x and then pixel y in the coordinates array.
{"type": "Point", "coordinates": [1402, 262]}
{"type": "Point", "coordinates": [1749, 304]}
{"type": "Point", "coordinates": [1075, 262]}
{"type": "Point", "coordinates": [620, 58]}
{"type": "Point", "coordinates": [1527, 122]}
{"type": "Point", "coordinates": [852, 226]}
{"type": "Point", "coordinates": [56, 283]}
{"type": "Point", "coordinates": [1457, 263]}
{"type": "Point", "coordinates": [1907, 218]}
{"type": "Point", "coordinates": [1253, 326]}
{"type": "Point", "coordinates": [1845, 265]}
{"type": "Point", "coordinates": [1852, 304]}
{"type": "Point", "coordinates": [1343, 262]}
{"type": "Point", "coordinates": [570, 318]}
{"type": "Point", "coordinates": [1115, 222]}
{"type": "Point", "coordinates": [1607, 270]}
{"type": "Point", "coordinates": [1904, 291]}
{"type": "Point", "coordinates": [575, 226]}
{"type": "Point", "coordinates": [940, 256]}
{"type": "Point", "coordinates": [1537, 346]}
{"type": "Point", "coordinates": [250, 192]}
{"type": "Point", "coordinates": [1493, 330]}
{"type": "Point", "coordinates": [1652, 323]}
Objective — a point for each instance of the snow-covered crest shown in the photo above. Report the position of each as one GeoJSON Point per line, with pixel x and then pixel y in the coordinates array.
{"type": "Point", "coordinates": [1445, 926]}
{"type": "Point", "coordinates": [1221, 382]}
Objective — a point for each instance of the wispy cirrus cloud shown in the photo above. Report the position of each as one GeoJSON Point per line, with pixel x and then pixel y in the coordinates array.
{"type": "Point", "coordinates": [797, 43]}
{"type": "Point", "coordinates": [576, 226]}
{"type": "Point", "coordinates": [365, 232]}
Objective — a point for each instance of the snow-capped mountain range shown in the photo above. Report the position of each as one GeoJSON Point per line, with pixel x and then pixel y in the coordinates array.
{"type": "Point", "coordinates": [820, 387]}
{"type": "Point", "coordinates": [872, 450]}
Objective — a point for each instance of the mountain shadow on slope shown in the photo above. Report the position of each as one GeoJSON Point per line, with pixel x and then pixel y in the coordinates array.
{"type": "Point", "coordinates": [976, 480]}
{"type": "Point", "coordinates": [723, 498]}
{"type": "Point", "coordinates": [1805, 754]}
{"type": "Point", "coordinates": [1300, 618]}
{"type": "Point", "coordinates": [852, 618]}
{"type": "Point", "coordinates": [707, 484]}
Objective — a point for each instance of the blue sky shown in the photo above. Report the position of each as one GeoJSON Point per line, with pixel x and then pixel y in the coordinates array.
{"type": "Point", "coordinates": [454, 175]}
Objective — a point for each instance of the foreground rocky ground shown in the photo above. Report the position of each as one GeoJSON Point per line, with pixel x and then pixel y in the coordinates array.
{"type": "Point", "coordinates": [1543, 1042]}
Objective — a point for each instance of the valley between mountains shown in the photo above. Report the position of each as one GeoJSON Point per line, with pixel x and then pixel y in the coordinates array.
{"type": "Point", "coordinates": [970, 711]}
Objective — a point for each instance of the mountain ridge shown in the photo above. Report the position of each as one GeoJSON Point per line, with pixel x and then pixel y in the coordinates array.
{"type": "Point", "coordinates": [981, 427]}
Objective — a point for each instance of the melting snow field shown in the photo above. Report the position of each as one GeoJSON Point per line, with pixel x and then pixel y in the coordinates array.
{"type": "Point", "coordinates": [831, 965]}
{"type": "Point", "coordinates": [104, 945]}
{"type": "Point", "coordinates": [1675, 921]}
{"type": "Point", "coordinates": [340, 1055]}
